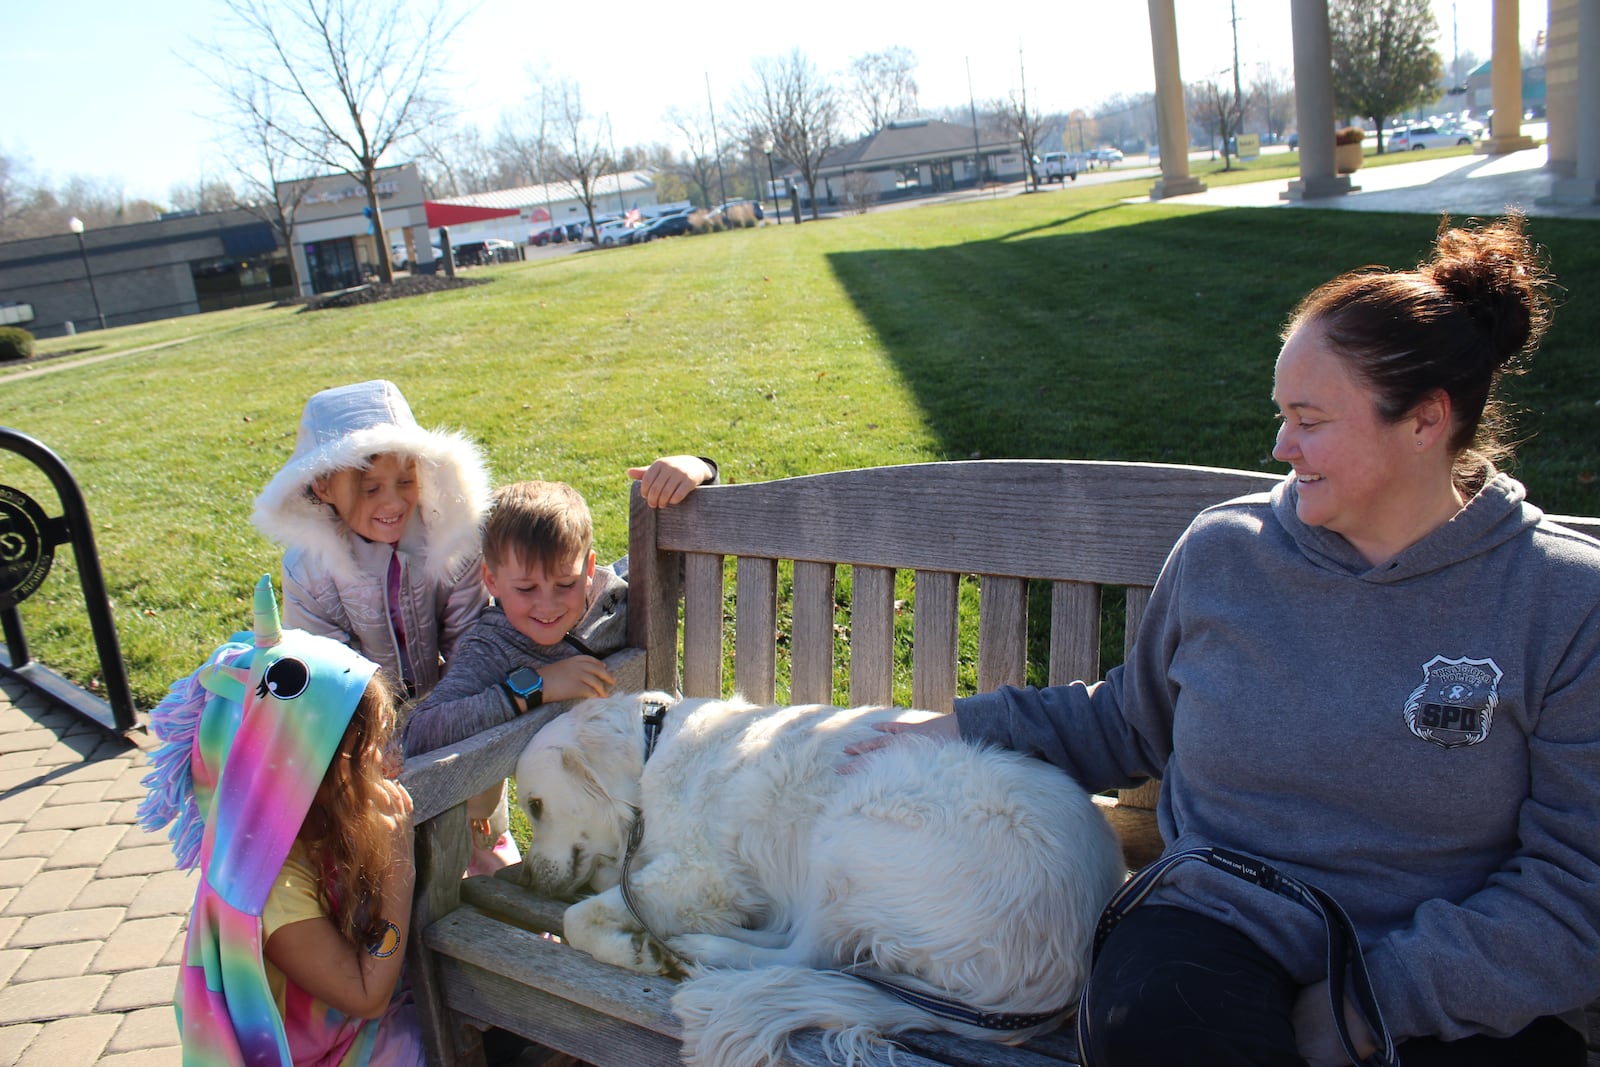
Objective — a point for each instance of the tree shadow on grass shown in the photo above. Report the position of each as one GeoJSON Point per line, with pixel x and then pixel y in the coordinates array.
{"type": "Point", "coordinates": [1149, 333]}
{"type": "Point", "coordinates": [1089, 339]}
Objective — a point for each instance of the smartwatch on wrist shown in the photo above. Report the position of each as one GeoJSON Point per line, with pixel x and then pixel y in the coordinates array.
{"type": "Point", "coordinates": [525, 683]}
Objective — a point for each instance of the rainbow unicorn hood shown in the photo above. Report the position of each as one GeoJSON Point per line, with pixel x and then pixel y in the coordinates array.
{"type": "Point", "coordinates": [246, 739]}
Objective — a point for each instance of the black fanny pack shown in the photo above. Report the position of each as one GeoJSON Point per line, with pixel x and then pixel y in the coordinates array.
{"type": "Point", "coordinates": [1345, 962]}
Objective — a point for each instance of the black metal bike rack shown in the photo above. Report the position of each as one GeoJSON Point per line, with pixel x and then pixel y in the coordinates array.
{"type": "Point", "coordinates": [27, 542]}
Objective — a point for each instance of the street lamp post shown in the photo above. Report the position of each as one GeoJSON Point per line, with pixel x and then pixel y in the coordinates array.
{"type": "Point", "coordinates": [772, 182]}
{"type": "Point", "coordinates": [75, 224]}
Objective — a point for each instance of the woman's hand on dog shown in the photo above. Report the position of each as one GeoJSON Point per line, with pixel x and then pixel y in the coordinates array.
{"type": "Point", "coordinates": [576, 678]}
{"type": "Point", "coordinates": [940, 728]}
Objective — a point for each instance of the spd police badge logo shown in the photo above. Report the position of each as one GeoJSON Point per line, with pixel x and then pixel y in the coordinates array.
{"type": "Point", "coordinates": [1454, 705]}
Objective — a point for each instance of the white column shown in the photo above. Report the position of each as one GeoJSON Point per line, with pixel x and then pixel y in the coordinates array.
{"type": "Point", "coordinates": [1583, 187]}
{"type": "Point", "coordinates": [1171, 121]}
{"type": "Point", "coordinates": [1505, 82]}
{"type": "Point", "coordinates": [1313, 103]}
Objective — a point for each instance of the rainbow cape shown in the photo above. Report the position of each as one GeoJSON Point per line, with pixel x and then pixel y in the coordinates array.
{"type": "Point", "coordinates": [247, 739]}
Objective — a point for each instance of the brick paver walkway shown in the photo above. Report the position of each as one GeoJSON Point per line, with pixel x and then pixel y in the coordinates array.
{"type": "Point", "coordinates": [92, 912]}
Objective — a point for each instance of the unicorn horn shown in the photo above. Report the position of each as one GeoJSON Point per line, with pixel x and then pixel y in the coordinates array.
{"type": "Point", "coordinates": [269, 630]}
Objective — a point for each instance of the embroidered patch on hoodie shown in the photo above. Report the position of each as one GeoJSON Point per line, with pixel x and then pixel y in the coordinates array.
{"type": "Point", "coordinates": [1454, 705]}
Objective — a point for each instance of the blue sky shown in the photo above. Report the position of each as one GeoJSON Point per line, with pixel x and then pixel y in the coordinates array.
{"type": "Point", "coordinates": [100, 88]}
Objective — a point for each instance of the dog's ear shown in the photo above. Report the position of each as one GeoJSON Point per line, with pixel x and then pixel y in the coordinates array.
{"type": "Point", "coordinates": [578, 770]}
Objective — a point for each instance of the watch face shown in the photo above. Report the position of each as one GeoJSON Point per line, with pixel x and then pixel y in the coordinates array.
{"type": "Point", "coordinates": [524, 680]}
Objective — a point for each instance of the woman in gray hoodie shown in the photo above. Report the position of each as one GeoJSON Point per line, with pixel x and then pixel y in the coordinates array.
{"type": "Point", "coordinates": [1372, 697]}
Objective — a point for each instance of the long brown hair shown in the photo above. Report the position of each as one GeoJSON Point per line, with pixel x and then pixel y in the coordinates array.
{"type": "Point", "coordinates": [349, 842]}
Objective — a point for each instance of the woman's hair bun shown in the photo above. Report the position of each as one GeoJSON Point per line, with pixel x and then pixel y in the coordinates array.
{"type": "Point", "coordinates": [1499, 277]}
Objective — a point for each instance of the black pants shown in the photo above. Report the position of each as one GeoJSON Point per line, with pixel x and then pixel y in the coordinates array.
{"type": "Point", "coordinates": [1175, 988]}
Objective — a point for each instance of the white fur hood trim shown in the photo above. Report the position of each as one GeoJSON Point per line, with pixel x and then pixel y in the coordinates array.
{"type": "Point", "coordinates": [342, 428]}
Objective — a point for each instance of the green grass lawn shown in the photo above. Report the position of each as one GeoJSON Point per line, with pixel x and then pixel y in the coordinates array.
{"type": "Point", "coordinates": [1065, 324]}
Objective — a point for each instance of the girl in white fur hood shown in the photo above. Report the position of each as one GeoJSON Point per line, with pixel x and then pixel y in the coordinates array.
{"type": "Point", "coordinates": [380, 523]}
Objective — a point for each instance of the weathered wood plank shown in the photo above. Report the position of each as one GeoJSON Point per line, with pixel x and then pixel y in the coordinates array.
{"type": "Point", "coordinates": [1002, 631]}
{"type": "Point", "coordinates": [871, 636]}
{"type": "Point", "coordinates": [652, 595]}
{"type": "Point", "coordinates": [933, 637]}
{"type": "Point", "coordinates": [551, 993]}
{"type": "Point", "coordinates": [1028, 518]}
{"type": "Point", "coordinates": [755, 652]}
{"type": "Point", "coordinates": [811, 635]}
{"type": "Point", "coordinates": [702, 625]}
{"type": "Point", "coordinates": [1074, 632]}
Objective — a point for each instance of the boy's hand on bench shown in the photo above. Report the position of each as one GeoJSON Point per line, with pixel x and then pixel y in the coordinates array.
{"type": "Point", "coordinates": [576, 678]}
{"type": "Point", "coordinates": [940, 728]}
{"type": "Point", "coordinates": [671, 478]}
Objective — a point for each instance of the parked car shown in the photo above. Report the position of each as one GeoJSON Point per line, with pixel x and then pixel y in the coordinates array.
{"type": "Point", "coordinates": [674, 225]}
{"type": "Point", "coordinates": [557, 233]}
{"type": "Point", "coordinates": [1108, 154]}
{"type": "Point", "coordinates": [480, 253]}
{"type": "Point", "coordinates": [399, 258]}
{"type": "Point", "coordinates": [619, 232]}
{"type": "Point", "coordinates": [738, 212]}
{"type": "Point", "coordinates": [1416, 138]}
{"type": "Point", "coordinates": [1059, 166]}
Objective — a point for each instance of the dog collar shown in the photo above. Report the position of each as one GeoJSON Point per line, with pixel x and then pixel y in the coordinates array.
{"type": "Point", "coordinates": [655, 717]}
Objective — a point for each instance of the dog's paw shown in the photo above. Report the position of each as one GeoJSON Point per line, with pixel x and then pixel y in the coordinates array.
{"type": "Point", "coordinates": [658, 958]}
{"type": "Point", "coordinates": [702, 950]}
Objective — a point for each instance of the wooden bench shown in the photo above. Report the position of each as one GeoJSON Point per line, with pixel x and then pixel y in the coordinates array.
{"type": "Point", "coordinates": [1070, 529]}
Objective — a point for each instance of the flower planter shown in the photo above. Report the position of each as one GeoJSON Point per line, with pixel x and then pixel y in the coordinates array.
{"type": "Point", "coordinates": [1346, 158]}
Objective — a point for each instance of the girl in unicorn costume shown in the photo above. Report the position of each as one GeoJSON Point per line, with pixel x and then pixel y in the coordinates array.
{"type": "Point", "coordinates": [380, 522]}
{"type": "Point", "coordinates": [274, 776]}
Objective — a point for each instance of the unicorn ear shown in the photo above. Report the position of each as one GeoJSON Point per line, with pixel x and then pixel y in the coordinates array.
{"type": "Point", "coordinates": [227, 682]}
{"type": "Point", "coordinates": [269, 629]}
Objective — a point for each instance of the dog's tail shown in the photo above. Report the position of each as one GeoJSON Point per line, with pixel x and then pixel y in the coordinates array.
{"type": "Point", "coordinates": [738, 1018]}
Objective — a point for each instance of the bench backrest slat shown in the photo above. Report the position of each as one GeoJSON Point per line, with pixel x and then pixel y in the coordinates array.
{"type": "Point", "coordinates": [871, 635]}
{"type": "Point", "coordinates": [755, 651]}
{"type": "Point", "coordinates": [934, 629]}
{"type": "Point", "coordinates": [811, 634]}
{"type": "Point", "coordinates": [702, 624]}
{"type": "Point", "coordinates": [1074, 632]}
{"type": "Point", "coordinates": [1002, 632]}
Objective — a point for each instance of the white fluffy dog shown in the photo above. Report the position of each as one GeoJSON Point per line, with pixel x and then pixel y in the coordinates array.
{"type": "Point", "coordinates": [949, 869]}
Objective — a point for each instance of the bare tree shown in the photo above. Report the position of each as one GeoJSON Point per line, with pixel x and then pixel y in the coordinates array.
{"type": "Point", "coordinates": [454, 161]}
{"type": "Point", "coordinates": [1125, 119]}
{"type": "Point", "coordinates": [205, 195]}
{"type": "Point", "coordinates": [31, 208]}
{"type": "Point", "coordinates": [1220, 110]}
{"type": "Point", "coordinates": [702, 165]}
{"type": "Point", "coordinates": [1272, 98]}
{"type": "Point", "coordinates": [789, 101]}
{"type": "Point", "coordinates": [582, 143]}
{"type": "Point", "coordinates": [1383, 57]}
{"type": "Point", "coordinates": [882, 87]}
{"type": "Point", "coordinates": [1025, 126]}
{"type": "Point", "coordinates": [351, 78]}
{"type": "Point", "coordinates": [25, 208]}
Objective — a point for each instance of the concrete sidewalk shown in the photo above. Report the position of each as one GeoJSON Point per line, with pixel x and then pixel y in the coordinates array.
{"type": "Point", "coordinates": [91, 910]}
{"type": "Point", "coordinates": [1480, 186]}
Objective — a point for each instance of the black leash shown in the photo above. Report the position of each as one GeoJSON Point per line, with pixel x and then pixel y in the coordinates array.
{"type": "Point", "coordinates": [655, 717]}
{"type": "Point", "coordinates": [1344, 950]}
{"type": "Point", "coordinates": [956, 1010]}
